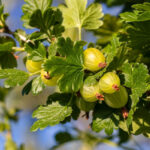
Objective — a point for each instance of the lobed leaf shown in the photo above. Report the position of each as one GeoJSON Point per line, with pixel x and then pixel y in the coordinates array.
{"type": "Point", "coordinates": [63, 137]}
{"type": "Point", "coordinates": [105, 118]}
{"type": "Point", "coordinates": [111, 26]}
{"type": "Point", "coordinates": [65, 98]}
{"type": "Point", "coordinates": [91, 18]}
{"type": "Point", "coordinates": [49, 22]}
{"type": "Point", "coordinates": [112, 49]}
{"type": "Point", "coordinates": [140, 123]}
{"type": "Point", "coordinates": [7, 60]}
{"type": "Point", "coordinates": [32, 5]}
{"type": "Point", "coordinates": [37, 86]}
{"type": "Point", "coordinates": [80, 16]}
{"type": "Point", "coordinates": [13, 77]}
{"type": "Point", "coordinates": [37, 52]}
{"type": "Point", "coordinates": [7, 46]}
{"type": "Point", "coordinates": [139, 37]}
{"type": "Point", "coordinates": [50, 115]}
{"type": "Point", "coordinates": [135, 78]}
{"type": "Point", "coordinates": [141, 13]}
{"type": "Point", "coordinates": [70, 69]}
{"type": "Point", "coordinates": [27, 88]}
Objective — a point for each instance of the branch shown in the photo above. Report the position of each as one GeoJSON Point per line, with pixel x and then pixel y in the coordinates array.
{"type": "Point", "coordinates": [6, 30]}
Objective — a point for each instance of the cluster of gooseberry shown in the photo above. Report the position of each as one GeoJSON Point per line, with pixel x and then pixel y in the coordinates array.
{"type": "Point", "coordinates": [36, 67]}
{"type": "Point", "coordinates": [108, 88]}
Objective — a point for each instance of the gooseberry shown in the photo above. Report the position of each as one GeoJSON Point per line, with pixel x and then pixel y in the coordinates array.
{"type": "Point", "coordinates": [83, 105]}
{"type": "Point", "coordinates": [118, 99]}
{"type": "Point", "coordinates": [94, 60]}
{"type": "Point", "coordinates": [47, 79]}
{"type": "Point", "coordinates": [33, 66]}
{"type": "Point", "coordinates": [109, 83]}
{"type": "Point", "coordinates": [91, 93]}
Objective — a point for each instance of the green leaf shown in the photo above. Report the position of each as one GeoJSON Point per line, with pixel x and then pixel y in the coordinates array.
{"type": "Point", "coordinates": [128, 16]}
{"type": "Point", "coordinates": [120, 58]}
{"type": "Point", "coordinates": [70, 68]}
{"type": "Point", "coordinates": [3, 16]}
{"type": "Point", "coordinates": [49, 22]}
{"type": "Point", "coordinates": [123, 136]}
{"type": "Point", "coordinates": [21, 37]}
{"type": "Point", "coordinates": [37, 52]}
{"type": "Point", "coordinates": [62, 97]}
{"type": "Point", "coordinates": [65, 97]}
{"type": "Point", "coordinates": [91, 18]}
{"type": "Point", "coordinates": [5, 39]}
{"type": "Point", "coordinates": [32, 5]}
{"type": "Point", "coordinates": [52, 50]}
{"type": "Point", "coordinates": [141, 13]}
{"type": "Point", "coordinates": [7, 60]}
{"type": "Point", "coordinates": [81, 17]}
{"type": "Point", "coordinates": [135, 78]}
{"type": "Point", "coordinates": [75, 111]}
{"type": "Point", "coordinates": [7, 46]}
{"type": "Point", "coordinates": [50, 115]}
{"type": "Point", "coordinates": [72, 33]}
{"type": "Point", "coordinates": [13, 77]}
{"type": "Point", "coordinates": [27, 88]}
{"type": "Point", "coordinates": [37, 36]}
{"type": "Point", "coordinates": [141, 122]}
{"type": "Point", "coordinates": [111, 26]}
{"type": "Point", "coordinates": [3, 93]}
{"type": "Point", "coordinates": [112, 49]}
{"type": "Point", "coordinates": [139, 37]}
{"type": "Point", "coordinates": [37, 86]}
{"type": "Point", "coordinates": [76, 8]}
{"type": "Point", "coordinates": [105, 118]}
{"type": "Point", "coordinates": [63, 137]}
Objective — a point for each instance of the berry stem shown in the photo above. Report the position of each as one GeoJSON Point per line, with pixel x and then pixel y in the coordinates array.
{"type": "Point", "coordinates": [18, 49]}
{"type": "Point", "coordinates": [35, 73]}
{"type": "Point", "coordinates": [80, 33]}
